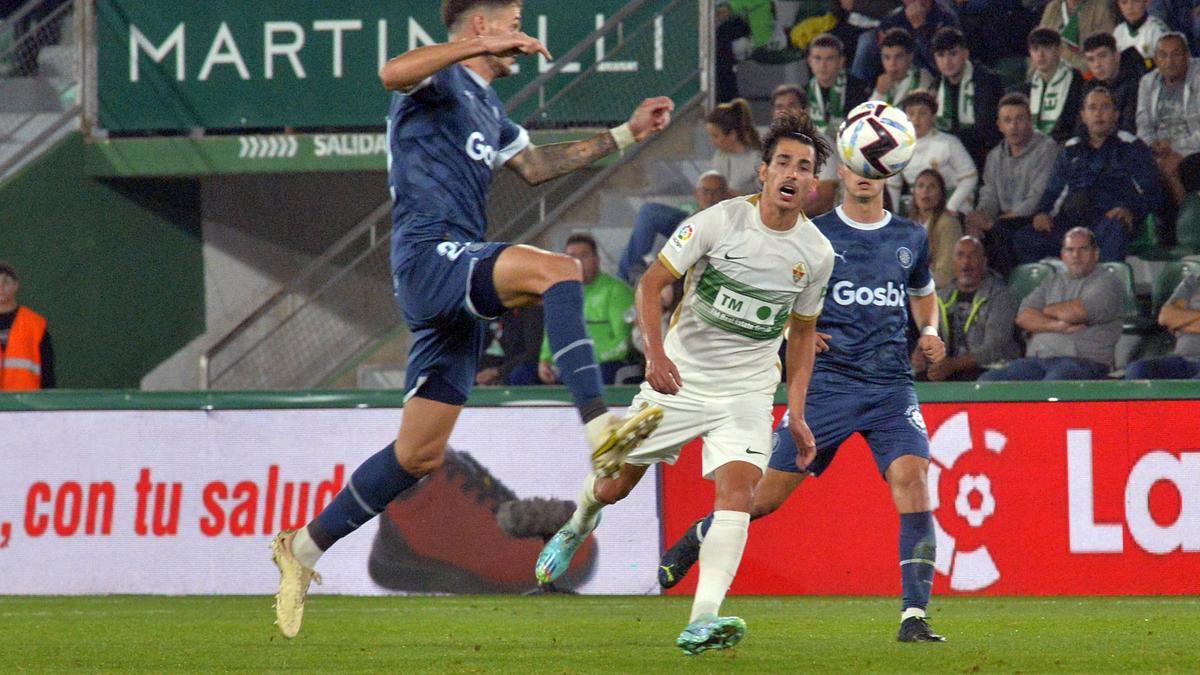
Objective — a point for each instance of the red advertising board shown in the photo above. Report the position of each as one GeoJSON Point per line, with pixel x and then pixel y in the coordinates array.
{"type": "Point", "coordinates": [1045, 498]}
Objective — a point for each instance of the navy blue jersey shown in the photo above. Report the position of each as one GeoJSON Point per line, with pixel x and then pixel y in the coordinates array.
{"type": "Point", "coordinates": [876, 267]}
{"type": "Point", "coordinates": [445, 138]}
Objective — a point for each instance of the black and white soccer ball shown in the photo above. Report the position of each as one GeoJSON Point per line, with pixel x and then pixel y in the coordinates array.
{"type": "Point", "coordinates": [876, 140]}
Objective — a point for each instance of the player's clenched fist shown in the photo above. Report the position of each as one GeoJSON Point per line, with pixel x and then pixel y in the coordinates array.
{"type": "Point", "coordinates": [651, 117]}
{"type": "Point", "coordinates": [513, 44]}
{"type": "Point", "coordinates": [932, 348]}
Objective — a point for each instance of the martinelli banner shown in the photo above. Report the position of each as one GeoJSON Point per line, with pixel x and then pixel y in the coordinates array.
{"type": "Point", "coordinates": [1047, 498]}
{"type": "Point", "coordinates": [186, 502]}
{"type": "Point", "coordinates": [231, 64]}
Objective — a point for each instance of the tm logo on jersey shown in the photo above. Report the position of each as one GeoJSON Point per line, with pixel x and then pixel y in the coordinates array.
{"type": "Point", "coordinates": [846, 293]}
{"type": "Point", "coordinates": [478, 150]}
{"type": "Point", "coordinates": [738, 308]}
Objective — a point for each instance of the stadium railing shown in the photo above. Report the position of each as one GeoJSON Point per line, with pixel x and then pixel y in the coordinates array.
{"type": "Point", "coordinates": [340, 308]}
{"type": "Point", "coordinates": [42, 44]}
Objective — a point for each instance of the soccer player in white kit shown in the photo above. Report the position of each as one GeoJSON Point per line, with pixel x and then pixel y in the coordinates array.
{"type": "Point", "coordinates": [755, 265]}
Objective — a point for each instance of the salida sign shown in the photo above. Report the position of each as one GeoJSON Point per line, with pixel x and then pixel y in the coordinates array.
{"type": "Point", "coordinates": [1029, 499]}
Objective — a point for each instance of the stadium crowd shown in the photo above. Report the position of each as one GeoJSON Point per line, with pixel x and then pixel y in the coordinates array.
{"type": "Point", "coordinates": [1033, 119]}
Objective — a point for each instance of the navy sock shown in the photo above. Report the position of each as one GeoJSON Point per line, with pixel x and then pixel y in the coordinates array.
{"type": "Point", "coordinates": [704, 525]}
{"type": "Point", "coordinates": [374, 484]}
{"type": "Point", "coordinates": [574, 351]}
{"type": "Point", "coordinates": [918, 550]}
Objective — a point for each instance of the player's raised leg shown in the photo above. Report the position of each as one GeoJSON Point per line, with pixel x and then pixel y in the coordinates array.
{"type": "Point", "coordinates": [720, 555]}
{"type": "Point", "coordinates": [522, 275]}
{"type": "Point", "coordinates": [597, 492]}
{"type": "Point", "coordinates": [906, 476]}
{"type": "Point", "coordinates": [417, 450]}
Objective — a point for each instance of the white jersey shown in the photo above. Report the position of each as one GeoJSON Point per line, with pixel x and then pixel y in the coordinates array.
{"type": "Point", "coordinates": [743, 282]}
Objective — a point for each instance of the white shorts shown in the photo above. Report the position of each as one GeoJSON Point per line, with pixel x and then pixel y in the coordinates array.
{"type": "Point", "coordinates": [736, 429]}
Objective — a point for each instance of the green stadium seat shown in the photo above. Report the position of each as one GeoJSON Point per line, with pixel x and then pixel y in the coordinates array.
{"type": "Point", "coordinates": [1025, 278]}
{"type": "Point", "coordinates": [1168, 280]}
{"type": "Point", "coordinates": [1187, 225]}
{"type": "Point", "coordinates": [1132, 319]}
{"type": "Point", "coordinates": [1146, 245]}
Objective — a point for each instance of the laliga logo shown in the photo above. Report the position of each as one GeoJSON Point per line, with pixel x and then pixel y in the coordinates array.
{"type": "Point", "coordinates": [968, 570]}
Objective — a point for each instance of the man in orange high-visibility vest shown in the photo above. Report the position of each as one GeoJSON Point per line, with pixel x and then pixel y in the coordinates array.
{"type": "Point", "coordinates": [26, 352]}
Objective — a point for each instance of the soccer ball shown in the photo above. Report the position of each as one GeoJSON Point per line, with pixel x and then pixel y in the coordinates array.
{"type": "Point", "coordinates": [876, 140]}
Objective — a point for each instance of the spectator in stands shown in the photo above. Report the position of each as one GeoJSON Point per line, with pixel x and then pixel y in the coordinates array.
{"type": "Point", "coordinates": [921, 19]}
{"type": "Point", "coordinates": [655, 220]}
{"type": "Point", "coordinates": [742, 27]}
{"type": "Point", "coordinates": [1074, 318]}
{"type": "Point", "coordinates": [1118, 71]}
{"type": "Point", "coordinates": [935, 150]}
{"type": "Point", "coordinates": [831, 93]}
{"type": "Point", "coordinates": [731, 128]}
{"type": "Point", "coordinates": [1181, 316]}
{"type": "Point", "coordinates": [1014, 179]}
{"type": "Point", "coordinates": [1139, 30]}
{"type": "Point", "coordinates": [901, 74]}
{"type": "Point", "coordinates": [1076, 19]}
{"type": "Point", "coordinates": [968, 94]}
{"type": "Point", "coordinates": [26, 350]}
{"type": "Point", "coordinates": [858, 28]}
{"type": "Point", "coordinates": [1168, 118]}
{"type": "Point", "coordinates": [1055, 89]}
{"type": "Point", "coordinates": [977, 319]}
{"type": "Point", "coordinates": [943, 227]}
{"type": "Point", "coordinates": [607, 302]}
{"type": "Point", "coordinates": [786, 99]}
{"type": "Point", "coordinates": [512, 357]}
{"type": "Point", "coordinates": [1104, 180]}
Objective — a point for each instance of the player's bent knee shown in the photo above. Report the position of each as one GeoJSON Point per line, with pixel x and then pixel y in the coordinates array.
{"type": "Point", "coordinates": [419, 462]}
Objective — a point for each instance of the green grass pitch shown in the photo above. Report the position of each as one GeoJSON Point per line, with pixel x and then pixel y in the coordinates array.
{"type": "Point", "coordinates": [592, 634]}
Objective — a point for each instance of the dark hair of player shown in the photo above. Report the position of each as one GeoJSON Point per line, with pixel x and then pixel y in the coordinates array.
{"type": "Point", "coordinates": [828, 41]}
{"type": "Point", "coordinates": [735, 116]}
{"type": "Point", "coordinates": [797, 128]}
{"type": "Point", "coordinates": [1100, 41]}
{"type": "Point", "coordinates": [898, 37]}
{"type": "Point", "coordinates": [583, 238]}
{"type": "Point", "coordinates": [947, 38]}
{"type": "Point", "coordinates": [919, 97]}
{"type": "Point", "coordinates": [452, 10]}
{"type": "Point", "coordinates": [1044, 37]}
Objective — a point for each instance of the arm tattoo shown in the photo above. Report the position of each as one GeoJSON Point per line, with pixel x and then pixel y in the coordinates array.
{"type": "Point", "coordinates": [539, 164]}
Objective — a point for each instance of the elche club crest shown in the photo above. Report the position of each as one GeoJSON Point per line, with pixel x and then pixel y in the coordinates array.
{"type": "Point", "coordinates": [799, 270]}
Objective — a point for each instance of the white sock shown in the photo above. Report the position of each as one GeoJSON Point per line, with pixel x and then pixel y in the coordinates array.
{"type": "Point", "coordinates": [305, 549]}
{"type": "Point", "coordinates": [587, 514]}
{"type": "Point", "coordinates": [720, 555]}
{"type": "Point", "coordinates": [911, 612]}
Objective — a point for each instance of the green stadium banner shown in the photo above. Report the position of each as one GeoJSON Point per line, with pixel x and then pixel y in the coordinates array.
{"type": "Point", "coordinates": [271, 64]}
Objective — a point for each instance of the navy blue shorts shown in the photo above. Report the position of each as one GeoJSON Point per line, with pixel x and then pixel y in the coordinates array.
{"type": "Point", "coordinates": [889, 418]}
{"type": "Point", "coordinates": [446, 292]}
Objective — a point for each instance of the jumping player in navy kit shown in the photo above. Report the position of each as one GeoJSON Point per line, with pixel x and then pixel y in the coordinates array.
{"type": "Point", "coordinates": [862, 382]}
{"type": "Point", "coordinates": [447, 133]}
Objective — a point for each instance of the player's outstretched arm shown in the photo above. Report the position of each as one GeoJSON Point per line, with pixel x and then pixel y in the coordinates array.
{"type": "Point", "coordinates": [409, 69]}
{"type": "Point", "coordinates": [661, 372]}
{"type": "Point", "coordinates": [538, 164]}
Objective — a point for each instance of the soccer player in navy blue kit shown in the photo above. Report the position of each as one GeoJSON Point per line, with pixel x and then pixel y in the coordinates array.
{"type": "Point", "coordinates": [862, 382]}
{"type": "Point", "coordinates": [447, 133]}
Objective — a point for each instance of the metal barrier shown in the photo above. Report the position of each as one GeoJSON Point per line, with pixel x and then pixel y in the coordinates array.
{"type": "Point", "coordinates": [41, 45]}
